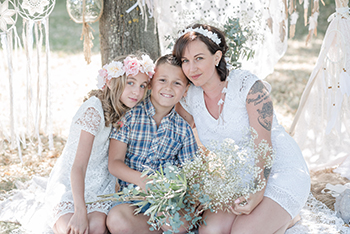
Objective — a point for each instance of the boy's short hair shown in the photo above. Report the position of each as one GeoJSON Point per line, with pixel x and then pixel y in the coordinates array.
{"type": "Point", "coordinates": [168, 58]}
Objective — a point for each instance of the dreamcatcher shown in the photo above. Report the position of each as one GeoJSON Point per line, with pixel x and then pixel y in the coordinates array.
{"type": "Point", "coordinates": [26, 117]}
{"type": "Point", "coordinates": [85, 12]}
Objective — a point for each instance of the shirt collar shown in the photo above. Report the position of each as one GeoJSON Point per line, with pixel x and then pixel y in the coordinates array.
{"type": "Point", "coordinates": [150, 110]}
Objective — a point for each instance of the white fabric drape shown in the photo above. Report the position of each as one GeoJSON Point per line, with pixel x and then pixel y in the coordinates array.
{"type": "Point", "coordinates": [322, 123]}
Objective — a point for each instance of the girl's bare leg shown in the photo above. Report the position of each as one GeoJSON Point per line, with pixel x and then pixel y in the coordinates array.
{"type": "Point", "coordinates": [62, 223]}
{"type": "Point", "coordinates": [97, 223]}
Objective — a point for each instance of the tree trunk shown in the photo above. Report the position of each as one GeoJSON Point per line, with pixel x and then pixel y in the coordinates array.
{"type": "Point", "coordinates": [124, 33]}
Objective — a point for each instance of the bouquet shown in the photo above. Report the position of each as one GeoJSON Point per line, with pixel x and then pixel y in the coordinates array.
{"type": "Point", "coordinates": [213, 179]}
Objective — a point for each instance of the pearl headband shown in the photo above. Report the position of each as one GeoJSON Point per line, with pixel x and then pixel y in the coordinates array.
{"type": "Point", "coordinates": [212, 36]}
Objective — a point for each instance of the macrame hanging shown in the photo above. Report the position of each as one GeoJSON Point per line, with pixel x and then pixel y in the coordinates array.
{"type": "Point", "coordinates": [8, 33]}
{"type": "Point", "coordinates": [35, 14]}
{"type": "Point", "coordinates": [85, 12]}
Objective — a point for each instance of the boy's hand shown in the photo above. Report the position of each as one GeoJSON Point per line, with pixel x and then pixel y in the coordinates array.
{"type": "Point", "coordinates": [143, 183]}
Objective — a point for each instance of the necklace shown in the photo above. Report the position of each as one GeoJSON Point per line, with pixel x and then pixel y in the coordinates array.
{"type": "Point", "coordinates": [211, 101]}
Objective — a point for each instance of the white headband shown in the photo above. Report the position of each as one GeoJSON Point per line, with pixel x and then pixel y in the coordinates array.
{"type": "Point", "coordinates": [212, 36]}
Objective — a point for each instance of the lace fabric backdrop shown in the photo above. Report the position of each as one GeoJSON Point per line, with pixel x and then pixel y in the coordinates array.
{"type": "Point", "coordinates": [267, 19]}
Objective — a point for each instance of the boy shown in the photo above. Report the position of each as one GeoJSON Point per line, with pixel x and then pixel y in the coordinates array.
{"type": "Point", "coordinates": [153, 133]}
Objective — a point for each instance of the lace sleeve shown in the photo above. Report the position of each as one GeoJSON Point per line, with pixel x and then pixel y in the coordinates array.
{"type": "Point", "coordinates": [89, 121]}
{"type": "Point", "coordinates": [246, 81]}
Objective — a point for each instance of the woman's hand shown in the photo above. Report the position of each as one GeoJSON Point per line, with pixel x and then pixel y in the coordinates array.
{"type": "Point", "coordinates": [246, 206]}
{"type": "Point", "coordinates": [78, 224]}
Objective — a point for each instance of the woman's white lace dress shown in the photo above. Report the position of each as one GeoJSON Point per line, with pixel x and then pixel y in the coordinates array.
{"type": "Point", "coordinates": [289, 181]}
{"type": "Point", "coordinates": [98, 180]}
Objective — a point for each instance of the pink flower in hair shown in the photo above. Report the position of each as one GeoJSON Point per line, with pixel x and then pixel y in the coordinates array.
{"type": "Point", "coordinates": [101, 78]}
{"type": "Point", "coordinates": [131, 66]}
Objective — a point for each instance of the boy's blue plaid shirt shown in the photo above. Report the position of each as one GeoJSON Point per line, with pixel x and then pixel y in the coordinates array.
{"type": "Point", "coordinates": [148, 146]}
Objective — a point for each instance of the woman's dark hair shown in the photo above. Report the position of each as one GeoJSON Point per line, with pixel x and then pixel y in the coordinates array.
{"type": "Point", "coordinates": [183, 41]}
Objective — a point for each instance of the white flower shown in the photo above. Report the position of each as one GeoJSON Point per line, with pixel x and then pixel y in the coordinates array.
{"type": "Point", "coordinates": [220, 102]}
{"type": "Point", "coordinates": [5, 16]}
{"type": "Point", "coordinates": [147, 65]}
{"type": "Point", "coordinates": [115, 69]}
{"type": "Point", "coordinates": [212, 36]}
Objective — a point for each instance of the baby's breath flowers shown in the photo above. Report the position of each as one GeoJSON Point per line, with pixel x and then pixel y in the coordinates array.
{"type": "Point", "coordinates": [214, 179]}
{"type": "Point", "coordinates": [228, 172]}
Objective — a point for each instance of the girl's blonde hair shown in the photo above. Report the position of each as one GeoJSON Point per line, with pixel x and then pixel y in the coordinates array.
{"type": "Point", "coordinates": [113, 108]}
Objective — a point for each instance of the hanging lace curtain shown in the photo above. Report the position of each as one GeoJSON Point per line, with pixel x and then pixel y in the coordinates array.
{"type": "Point", "coordinates": [322, 123]}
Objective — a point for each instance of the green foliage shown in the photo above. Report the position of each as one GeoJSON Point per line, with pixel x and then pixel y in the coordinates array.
{"type": "Point", "coordinates": [237, 37]}
{"type": "Point", "coordinates": [168, 197]}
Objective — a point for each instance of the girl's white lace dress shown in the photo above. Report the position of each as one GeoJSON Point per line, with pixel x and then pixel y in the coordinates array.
{"type": "Point", "coordinates": [98, 180]}
{"type": "Point", "coordinates": [289, 181]}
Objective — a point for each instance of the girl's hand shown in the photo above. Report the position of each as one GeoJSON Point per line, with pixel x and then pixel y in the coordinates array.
{"type": "Point", "coordinates": [78, 224]}
{"type": "Point", "coordinates": [246, 206]}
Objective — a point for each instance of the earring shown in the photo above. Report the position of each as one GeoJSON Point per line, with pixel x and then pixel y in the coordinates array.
{"type": "Point", "coordinates": [217, 64]}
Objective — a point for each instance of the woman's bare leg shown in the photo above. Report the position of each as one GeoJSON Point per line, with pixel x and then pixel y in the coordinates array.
{"type": "Point", "coordinates": [268, 217]}
{"type": "Point", "coordinates": [62, 223]}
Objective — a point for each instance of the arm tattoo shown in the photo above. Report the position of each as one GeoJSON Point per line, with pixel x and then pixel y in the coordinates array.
{"type": "Point", "coordinates": [267, 172]}
{"type": "Point", "coordinates": [258, 100]}
{"type": "Point", "coordinates": [257, 88]}
{"type": "Point", "coordinates": [257, 95]}
{"type": "Point", "coordinates": [264, 114]}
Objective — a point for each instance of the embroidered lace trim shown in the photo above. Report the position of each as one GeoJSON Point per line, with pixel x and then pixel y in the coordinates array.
{"type": "Point", "coordinates": [68, 207]}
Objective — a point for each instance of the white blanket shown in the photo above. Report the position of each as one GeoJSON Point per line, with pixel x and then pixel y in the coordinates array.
{"type": "Point", "coordinates": [26, 207]}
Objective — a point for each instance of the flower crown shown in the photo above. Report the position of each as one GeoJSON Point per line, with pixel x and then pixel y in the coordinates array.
{"type": "Point", "coordinates": [130, 66]}
{"type": "Point", "coordinates": [212, 36]}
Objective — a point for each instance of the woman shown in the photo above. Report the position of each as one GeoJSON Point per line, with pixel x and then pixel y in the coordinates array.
{"type": "Point", "coordinates": [223, 105]}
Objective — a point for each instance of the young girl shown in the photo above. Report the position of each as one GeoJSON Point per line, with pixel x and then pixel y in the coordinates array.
{"type": "Point", "coordinates": [81, 173]}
